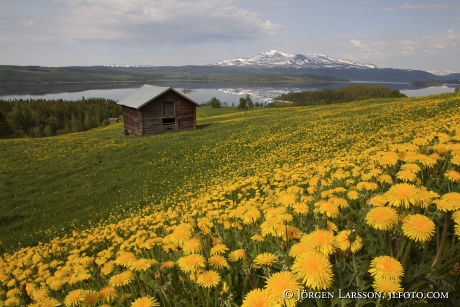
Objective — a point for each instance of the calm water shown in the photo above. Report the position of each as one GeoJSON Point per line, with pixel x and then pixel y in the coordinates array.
{"type": "Point", "coordinates": [230, 95]}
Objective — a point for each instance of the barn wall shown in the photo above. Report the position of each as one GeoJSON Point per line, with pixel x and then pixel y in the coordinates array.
{"type": "Point", "coordinates": [185, 114]}
{"type": "Point", "coordinates": [151, 117]}
{"type": "Point", "coordinates": [132, 119]}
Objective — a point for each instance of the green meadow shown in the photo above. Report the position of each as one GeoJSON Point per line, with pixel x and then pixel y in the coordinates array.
{"type": "Point", "coordinates": [360, 196]}
{"type": "Point", "coordinates": [52, 185]}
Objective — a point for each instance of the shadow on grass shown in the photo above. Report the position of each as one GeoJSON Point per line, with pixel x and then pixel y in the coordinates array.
{"type": "Point", "coordinates": [203, 126]}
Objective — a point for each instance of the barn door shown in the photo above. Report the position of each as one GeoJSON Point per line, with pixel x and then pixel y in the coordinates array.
{"type": "Point", "coordinates": [169, 109]}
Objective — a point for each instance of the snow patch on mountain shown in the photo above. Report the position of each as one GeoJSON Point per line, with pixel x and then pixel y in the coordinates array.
{"type": "Point", "coordinates": [273, 58]}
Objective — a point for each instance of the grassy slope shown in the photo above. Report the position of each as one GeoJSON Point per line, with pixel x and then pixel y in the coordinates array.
{"type": "Point", "coordinates": [51, 185]}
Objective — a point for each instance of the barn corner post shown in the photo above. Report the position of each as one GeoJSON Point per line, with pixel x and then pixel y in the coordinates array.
{"type": "Point", "coordinates": [154, 109]}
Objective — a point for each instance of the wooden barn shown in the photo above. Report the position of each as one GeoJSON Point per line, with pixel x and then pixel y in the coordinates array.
{"type": "Point", "coordinates": [155, 109]}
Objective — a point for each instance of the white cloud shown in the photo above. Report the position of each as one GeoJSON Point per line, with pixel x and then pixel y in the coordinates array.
{"type": "Point", "coordinates": [357, 43]}
{"type": "Point", "coordinates": [143, 21]}
{"type": "Point", "coordinates": [431, 6]}
{"type": "Point", "coordinates": [434, 51]}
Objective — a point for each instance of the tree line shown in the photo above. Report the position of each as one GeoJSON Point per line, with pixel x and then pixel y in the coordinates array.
{"type": "Point", "coordinates": [39, 117]}
{"type": "Point", "coordinates": [343, 94]}
{"type": "Point", "coordinates": [245, 103]}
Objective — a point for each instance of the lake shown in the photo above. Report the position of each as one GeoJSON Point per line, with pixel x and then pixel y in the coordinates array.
{"type": "Point", "coordinates": [231, 95]}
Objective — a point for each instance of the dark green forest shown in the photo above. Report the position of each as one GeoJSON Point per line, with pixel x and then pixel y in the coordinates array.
{"type": "Point", "coordinates": [37, 118]}
{"type": "Point", "coordinates": [343, 94]}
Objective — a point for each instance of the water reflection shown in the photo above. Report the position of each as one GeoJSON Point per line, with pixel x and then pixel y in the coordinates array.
{"type": "Point", "coordinates": [229, 95]}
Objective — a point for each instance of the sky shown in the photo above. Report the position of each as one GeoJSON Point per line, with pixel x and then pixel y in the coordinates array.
{"type": "Point", "coordinates": [410, 34]}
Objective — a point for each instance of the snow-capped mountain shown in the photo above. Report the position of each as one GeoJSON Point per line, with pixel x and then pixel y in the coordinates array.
{"type": "Point", "coordinates": [277, 58]}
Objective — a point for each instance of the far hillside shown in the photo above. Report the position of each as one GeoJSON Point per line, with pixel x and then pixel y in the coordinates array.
{"type": "Point", "coordinates": [343, 94]}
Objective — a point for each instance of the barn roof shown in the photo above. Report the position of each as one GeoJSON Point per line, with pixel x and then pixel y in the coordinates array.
{"type": "Point", "coordinates": [147, 93]}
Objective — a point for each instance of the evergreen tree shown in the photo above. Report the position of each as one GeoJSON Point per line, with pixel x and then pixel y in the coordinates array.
{"type": "Point", "coordinates": [246, 103]}
{"type": "Point", "coordinates": [214, 102]}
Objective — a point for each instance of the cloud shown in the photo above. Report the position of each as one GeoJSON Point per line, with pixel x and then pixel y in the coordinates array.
{"type": "Point", "coordinates": [387, 9]}
{"type": "Point", "coordinates": [161, 21]}
{"type": "Point", "coordinates": [357, 43]}
{"type": "Point", "coordinates": [431, 6]}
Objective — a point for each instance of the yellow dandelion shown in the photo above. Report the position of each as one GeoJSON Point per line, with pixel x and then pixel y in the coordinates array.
{"type": "Point", "coordinates": [39, 294]}
{"type": "Point", "coordinates": [145, 301]}
{"type": "Point", "coordinates": [377, 201]}
{"type": "Point", "coordinates": [411, 167]}
{"type": "Point", "coordinates": [300, 248]}
{"type": "Point", "coordinates": [208, 279]}
{"type": "Point", "coordinates": [257, 298]}
{"type": "Point", "coordinates": [331, 226]}
{"type": "Point", "coordinates": [321, 240]}
{"type": "Point", "coordinates": [13, 292]}
{"type": "Point", "coordinates": [11, 301]}
{"type": "Point", "coordinates": [167, 265]}
{"type": "Point", "coordinates": [192, 246]}
{"type": "Point", "coordinates": [237, 254]}
{"type": "Point", "coordinates": [386, 267]}
{"type": "Point", "coordinates": [387, 158]}
{"type": "Point", "coordinates": [385, 178]}
{"type": "Point", "coordinates": [455, 159]}
{"type": "Point", "coordinates": [339, 201]}
{"type": "Point", "coordinates": [420, 141]}
{"type": "Point", "coordinates": [367, 186]}
{"type": "Point", "coordinates": [429, 161]}
{"type": "Point", "coordinates": [46, 302]}
{"type": "Point", "coordinates": [74, 298]}
{"type": "Point", "coordinates": [449, 202]}
{"type": "Point", "coordinates": [293, 232]}
{"type": "Point", "coordinates": [418, 227]}
{"type": "Point", "coordinates": [314, 269]}
{"type": "Point", "coordinates": [257, 237]}
{"type": "Point", "coordinates": [107, 268]}
{"type": "Point", "coordinates": [125, 258]}
{"type": "Point", "coordinates": [326, 207]}
{"type": "Point", "coordinates": [108, 294]}
{"type": "Point", "coordinates": [142, 264]}
{"type": "Point", "coordinates": [218, 262]}
{"type": "Point", "coordinates": [121, 279]}
{"type": "Point", "coordinates": [191, 263]}
{"type": "Point", "coordinates": [406, 175]}
{"type": "Point", "coordinates": [278, 283]}
{"type": "Point", "coordinates": [300, 208]}
{"type": "Point", "coordinates": [265, 259]}
{"type": "Point", "coordinates": [382, 218]}
{"type": "Point", "coordinates": [251, 216]}
{"type": "Point", "coordinates": [348, 240]}
{"type": "Point", "coordinates": [218, 249]}
{"type": "Point", "coordinates": [182, 233]}
{"type": "Point", "coordinates": [287, 198]}
{"type": "Point", "coordinates": [452, 175]}
{"type": "Point", "coordinates": [387, 285]}
{"type": "Point", "coordinates": [403, 195]}
{"type": "Point", "coordinates": [353, 195]}
{"type": "Point", "coordinates": [456, 216]}
{"type": "Point", "coordinates": [90, 298]}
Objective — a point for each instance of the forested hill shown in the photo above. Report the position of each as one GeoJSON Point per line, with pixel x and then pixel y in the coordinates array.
{"type": "Point", "coordinates": [345, 94]}
{"type": "Point", "coordinates": [36, 118]}
{"type": "Point", "coordinates": [37, 79]}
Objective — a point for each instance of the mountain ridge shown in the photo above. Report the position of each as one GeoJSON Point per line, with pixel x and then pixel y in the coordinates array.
{"type": "Point", "coordinates": [276, 58]}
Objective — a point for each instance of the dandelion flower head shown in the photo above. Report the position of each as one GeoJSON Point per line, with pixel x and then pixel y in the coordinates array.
{"type": "Point", "coordinates": [314, 270]}
{"type": "Point", "coordinates": [418, 227]}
